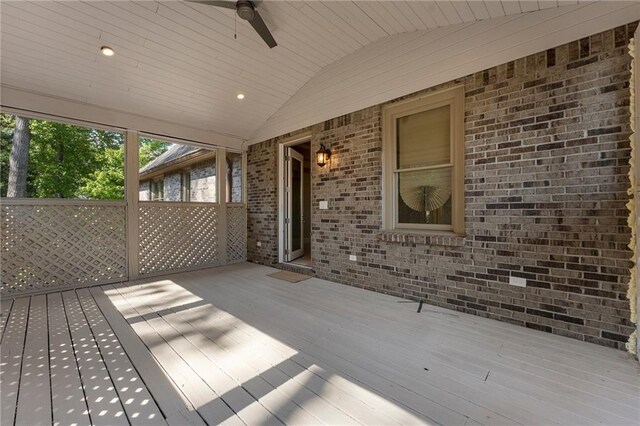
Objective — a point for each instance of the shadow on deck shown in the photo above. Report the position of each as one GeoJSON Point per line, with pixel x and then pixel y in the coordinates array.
{"type": "Point", "coordinates": [231, 345]}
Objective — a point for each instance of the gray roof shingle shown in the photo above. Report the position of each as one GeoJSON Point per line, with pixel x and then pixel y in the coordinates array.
{"type": "Point", "coordinates": [175, 152]}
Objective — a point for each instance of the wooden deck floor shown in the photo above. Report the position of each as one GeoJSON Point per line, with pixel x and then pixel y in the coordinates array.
{"type": "Point", "coordinates": [231, 345]}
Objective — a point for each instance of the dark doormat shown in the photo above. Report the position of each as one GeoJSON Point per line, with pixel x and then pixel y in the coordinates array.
{"type": "Point", "coordinates": [292, 277]}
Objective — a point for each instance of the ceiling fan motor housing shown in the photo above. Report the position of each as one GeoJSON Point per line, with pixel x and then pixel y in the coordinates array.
{"type": "Point", "coordinates": [245, 10]}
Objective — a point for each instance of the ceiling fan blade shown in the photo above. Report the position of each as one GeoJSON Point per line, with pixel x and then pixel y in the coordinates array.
{"type": "Point", "coordinates": [225, 4]}
{"type": "Point", "coordinates": [261, 28]}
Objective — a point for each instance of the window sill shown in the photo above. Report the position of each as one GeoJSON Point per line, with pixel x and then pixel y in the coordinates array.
{"type": "Point", "coordinates": [447, 239]}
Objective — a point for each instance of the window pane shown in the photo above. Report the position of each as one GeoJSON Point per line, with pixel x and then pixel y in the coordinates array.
{"type": "Point", "coordinates": [234, 177]}
{"type": "Point", "coordinates": [47, 159]}
{"type": "Point", "coordinates": [424, 138]}
{"type": "Point", "coordinates": [424, 197]}
{"type": "Point", "coordinates": [176, 172]}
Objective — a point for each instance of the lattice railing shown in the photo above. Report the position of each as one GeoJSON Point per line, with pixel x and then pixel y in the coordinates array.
{"type": "Point", "coordinates": [236, 234]}
{"type": "Point", "coordinates": [57, 244]}
{"type": "Point", "coordinates": [51, 245]}
{"type": "Point", "coordinates": [177, 237]}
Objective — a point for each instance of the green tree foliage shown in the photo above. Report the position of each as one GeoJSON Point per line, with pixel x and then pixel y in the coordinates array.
{"type": "Point", "coordinates": [107, 182]}
{"type": "Point", "coordinates": [61, 157]}
{"type": "Point", "coordinates": [150, 149]}
{"type": "Point", "coordinates": [67, 161]}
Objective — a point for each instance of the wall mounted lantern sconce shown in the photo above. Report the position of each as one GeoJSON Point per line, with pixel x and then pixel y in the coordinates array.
{"type": "Point", "coordinates": [323, 155]}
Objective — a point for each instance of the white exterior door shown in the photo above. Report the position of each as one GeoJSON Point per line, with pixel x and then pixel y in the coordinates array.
{"type": "Point", "coordinates": [294, 199]}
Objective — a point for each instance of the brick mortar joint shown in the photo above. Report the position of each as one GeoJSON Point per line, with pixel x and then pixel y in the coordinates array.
{"type": "Point", "coordinates": [422, 239]}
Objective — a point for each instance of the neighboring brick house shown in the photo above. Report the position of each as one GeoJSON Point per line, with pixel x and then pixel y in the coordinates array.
{"type": "Point", "coordinates": [546, 151]}
{"type": "Point", "coordinates": [188, 174]}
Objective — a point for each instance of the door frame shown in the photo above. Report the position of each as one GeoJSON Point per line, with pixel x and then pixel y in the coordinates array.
{"type": "Point", "coordinates": [297, 140]}
{"type": "Point", "coordinates": [294, 254]}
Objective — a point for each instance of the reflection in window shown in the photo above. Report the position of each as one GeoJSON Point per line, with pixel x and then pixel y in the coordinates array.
{"type": "Point", "coordinates": [48, 159]}
{"type": "Point", "coordinates": [176, 172]}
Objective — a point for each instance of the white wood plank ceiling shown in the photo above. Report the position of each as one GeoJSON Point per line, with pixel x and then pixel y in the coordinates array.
{"type": "Point", "coordinates": [179, 62]}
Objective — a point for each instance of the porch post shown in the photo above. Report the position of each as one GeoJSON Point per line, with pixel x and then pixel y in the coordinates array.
{"type": "Point", "coordinates": [131, 196]}
{"type": "Point", "coordinates": [221, 171]}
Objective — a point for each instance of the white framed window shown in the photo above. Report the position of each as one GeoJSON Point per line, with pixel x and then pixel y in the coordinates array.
{"type": "Point", "coordinates": [186, 185]}
{"type": "Point", "coordinates": [423, 170]}
{"type": "Point", "coordinates": [157, 190]}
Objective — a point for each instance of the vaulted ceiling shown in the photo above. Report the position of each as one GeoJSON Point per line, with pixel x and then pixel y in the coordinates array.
{"type": "Point", "coordinates": [180, 62]}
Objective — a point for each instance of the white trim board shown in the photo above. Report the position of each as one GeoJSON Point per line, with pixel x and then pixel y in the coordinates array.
{"type": "Point", "coordinates": [16, 99]}
{"type": "Point", "coordinates": [406, 63]}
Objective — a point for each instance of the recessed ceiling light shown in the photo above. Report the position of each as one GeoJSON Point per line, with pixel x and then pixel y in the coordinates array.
{"type": "Point", "coordinates": [107, 51]}
{"type": "Point", "coordinates": [240, 96]}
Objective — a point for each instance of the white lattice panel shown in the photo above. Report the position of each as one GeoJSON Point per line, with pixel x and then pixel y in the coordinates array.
{"type": "Point", "coordinates": [176, 237]}
{"type": "Point", "coordinates": [236, 234]}
{"type": "Point", "coordinates": [49, 247]}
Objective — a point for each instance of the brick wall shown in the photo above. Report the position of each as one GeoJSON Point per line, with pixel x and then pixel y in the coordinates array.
{"type": "Point", "coordinates": [234, 178]}
{"type": "Point", "coordinates": [203, 181]}
{"type": "Point", "coordinates": [172, 186]}
{"type": "Point", "coordinates": [144, 191]}
{"type": "Point", "coordinates": [262, 203]}
{"type": "Point", "coordinates": [202, 188]}
{"type": "Point", "coordinates": [546, 162]}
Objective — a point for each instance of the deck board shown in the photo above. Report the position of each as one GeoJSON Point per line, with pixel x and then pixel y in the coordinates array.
{"type": "Point", "coordinates": [181, 338]}
{"type": "Point", "coordinates": [234, 346]}
{"type": "Point", "coordinates": [481, 332]}
{"type": "Point", "coordinates": [11, 359]}
{"type": "Point", "coordinates": [202, 353]}
{"type": "Point", "coordinates": [105, 408]}
{"type": "Point", "coordinates": [245, 366]}
{"type": "Point", "coordinates": [69, 404]}
{"type": "Point", "coordinates": [5, 309]}
{"type": "Point", "coordinates": [34, 397]}
{"type": "Point", "coordinates": [139, 405]}
{"type": "Point", "coordinates": [171, 400]}
{"type": "Point", "coordinates": [386, 326]}
{"type": "Point", "coordinates": [212, 339]}
{"type": "Point", "coordinates": [258, 372]}
{"type": "Point", "coordinates": [276, 369]}
{"type": "Point", "coordinates": [212, 409]}
{"type": "Point", "coordinates": [431, 402]}
{"type": "Point", "coordinates": [255, 342]}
